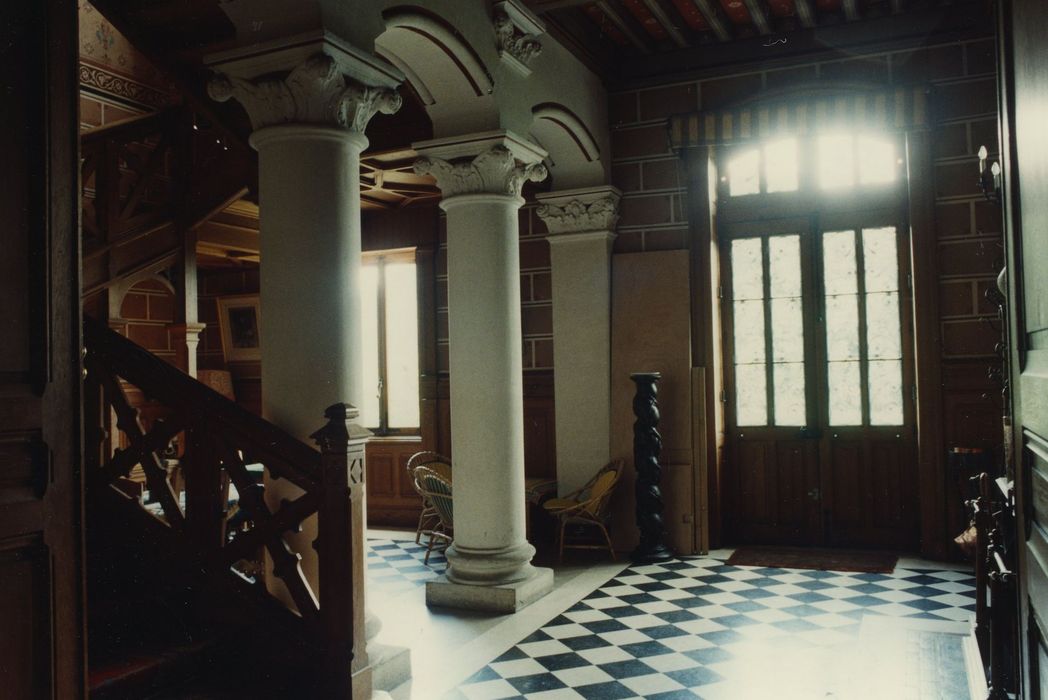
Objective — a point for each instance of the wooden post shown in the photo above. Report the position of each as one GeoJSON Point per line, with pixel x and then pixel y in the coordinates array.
{"type": "Point", "coordinates": [341, 518]}
{"type": "Point", "coordinates": [647, 444]}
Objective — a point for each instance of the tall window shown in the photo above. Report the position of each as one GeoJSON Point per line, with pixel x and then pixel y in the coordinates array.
{"type": "Point", "coordinates": [823, 273]}
{"type": "Point", "coordinates": [389, 299]}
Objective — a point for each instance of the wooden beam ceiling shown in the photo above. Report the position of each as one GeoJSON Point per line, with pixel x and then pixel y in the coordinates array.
{"type": "Point", "coordinates": [759, 15]}
{"type": "Point", "coordinates": [666, 20]}
{"type": "Point", "coordinates": [805, 13]}
{"type": "Point", "coordinates": [713, 18]}
{"type": "Point", "coordinates": [623, 26]}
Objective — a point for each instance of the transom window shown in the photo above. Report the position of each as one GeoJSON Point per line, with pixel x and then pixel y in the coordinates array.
{"type": "Point", "coordinates": [842, 160]}
{"type": "Point", "coordinates": [389, 302]}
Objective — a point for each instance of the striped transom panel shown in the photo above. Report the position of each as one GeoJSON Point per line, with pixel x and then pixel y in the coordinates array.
{"type": "Point", "coordinates": [896, 109]}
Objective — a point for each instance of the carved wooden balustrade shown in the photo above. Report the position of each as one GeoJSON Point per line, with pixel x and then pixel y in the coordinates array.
{"type": "Point", "coordinates": [145, 182]}
{"type": "Point", "coordinates": [219, 440]}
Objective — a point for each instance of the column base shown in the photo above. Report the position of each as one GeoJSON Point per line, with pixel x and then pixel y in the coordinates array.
{"type": "Point", "coordinates": [501, 598]}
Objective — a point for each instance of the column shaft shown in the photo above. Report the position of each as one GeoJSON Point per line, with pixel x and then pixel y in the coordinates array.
{"type": "Point", "coordinates": [581, 270]}
{"type": "Point", "coordinates": [487, 418]}
{"type": "Point", "coordinates": [309, 190]}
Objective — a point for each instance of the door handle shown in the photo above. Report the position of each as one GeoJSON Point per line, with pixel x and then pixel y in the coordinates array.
{"type": "Point", "coordinates": [815, 494]}
{"type": "Point", "coordinates": [809, 433]}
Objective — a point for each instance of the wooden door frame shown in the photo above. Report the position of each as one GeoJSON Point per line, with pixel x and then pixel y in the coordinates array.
{"type": "Point", "coordinates": [703, 216]}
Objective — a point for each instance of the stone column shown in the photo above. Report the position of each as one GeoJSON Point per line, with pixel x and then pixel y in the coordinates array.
{"type": "Point", "coordinates": [581, 224]}
{"type": "Point", "coordinates": [489, 563]}
{"type": "Point", "coordinates": [309, 104]}
{"type": "Point", "coordinates": [309, 133]}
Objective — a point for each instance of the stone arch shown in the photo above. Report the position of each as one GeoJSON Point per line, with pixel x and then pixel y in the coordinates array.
{"type": "Point", "coordinates": [575, 157]}
{"type": "Point", "coordinates": [442, 66]}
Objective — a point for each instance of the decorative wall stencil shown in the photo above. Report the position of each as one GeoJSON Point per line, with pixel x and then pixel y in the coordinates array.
{"type": "Point", "coordinates": [112, 69]}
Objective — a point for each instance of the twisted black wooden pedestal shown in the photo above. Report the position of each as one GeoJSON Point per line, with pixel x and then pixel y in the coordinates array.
{"type": "Point", "coordinates": [647, 445]}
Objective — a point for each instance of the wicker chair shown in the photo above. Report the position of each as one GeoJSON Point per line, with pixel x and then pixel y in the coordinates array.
{"type": "Point", "coordinates": [436, 489]}
{"type": "Point", "coordinates": [587, 506]}
{"type": "Point", "coordinates": [428, 519]}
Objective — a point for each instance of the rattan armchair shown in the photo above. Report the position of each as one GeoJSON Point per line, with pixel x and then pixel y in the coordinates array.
{"type": "Point", "coordinates": [428, 519]}
{"type": "Point", "coordinates": [587, 507]}
{"type": "Point", "coordinates": [436, 489]}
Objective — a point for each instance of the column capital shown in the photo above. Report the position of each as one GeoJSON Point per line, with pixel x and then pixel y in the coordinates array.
{"type": "Point", "coordinates": [490, 163]}
{"type": "Point", "coordinates": [585, 210]}
{"type": "Point", "coordinates": [516, 34]}
{"type": "Point", "coordinates": [324, 88]}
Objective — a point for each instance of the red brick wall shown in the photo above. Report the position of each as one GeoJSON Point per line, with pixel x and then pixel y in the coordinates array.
{"type": "Point", "coordinates": [536, 296]}
{"type": "Point", "coordinates": [968, 228]}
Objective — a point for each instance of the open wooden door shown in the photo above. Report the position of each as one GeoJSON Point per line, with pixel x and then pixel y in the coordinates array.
{"type": "Point", "coordinates": [1024, 89]}
{"type": "Point", "coordinates": [41, 583]}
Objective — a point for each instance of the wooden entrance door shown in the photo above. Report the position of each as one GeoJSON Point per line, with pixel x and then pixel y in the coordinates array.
{"type": "Point", "coordinates": [41, 585]}
{"type": "Point", "coordinates": [1024, 85]}
{"type": "Point", "coordinates": [820, 429]}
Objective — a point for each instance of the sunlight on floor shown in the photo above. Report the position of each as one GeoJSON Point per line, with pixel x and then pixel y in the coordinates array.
{"type": "Point", "coordinates": [689, 629]}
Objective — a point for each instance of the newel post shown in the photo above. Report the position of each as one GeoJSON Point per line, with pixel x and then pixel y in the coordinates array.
{"type": "Point", "coordinates": [341, 522]}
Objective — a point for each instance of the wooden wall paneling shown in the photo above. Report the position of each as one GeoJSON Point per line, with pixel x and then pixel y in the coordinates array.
{"type": "Point", "coordinates": [651, 319]}
{"type": "Point", "coordinates": [41, 544]}
{"type": "Point", "coordinates": [1023, 84]}
{"type": "Point", "coordinates": [705, 324]}
{"type": "Point", "coordinates": [927, 347]}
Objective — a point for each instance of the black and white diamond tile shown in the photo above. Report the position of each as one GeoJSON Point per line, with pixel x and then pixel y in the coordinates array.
{"type": "Point", "coordinates": [396, 566]}
{"type": "Point", "coordinates": [680, 629]}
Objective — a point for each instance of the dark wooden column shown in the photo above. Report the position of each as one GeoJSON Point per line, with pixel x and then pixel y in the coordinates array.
{"type": "Point", "coordinates": [647, 445]}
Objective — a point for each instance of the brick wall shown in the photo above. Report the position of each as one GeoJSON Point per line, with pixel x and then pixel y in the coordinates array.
{"type": "Point", "coordinates": [536, 296]}
{"type": "Point", "coordinates": [968, 228]}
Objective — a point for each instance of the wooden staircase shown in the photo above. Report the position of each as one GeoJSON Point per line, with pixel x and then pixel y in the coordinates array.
{"type": "Point", "coordinates": [173, 598]}
{"type": "Point", "coordinates": [146, 183]}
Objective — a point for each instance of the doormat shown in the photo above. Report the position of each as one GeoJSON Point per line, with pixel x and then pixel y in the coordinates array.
{"type": "Point", "coordinates": [871, 562]}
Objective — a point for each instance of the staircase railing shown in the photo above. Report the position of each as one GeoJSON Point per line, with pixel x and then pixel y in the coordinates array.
{"type": "Point", "coordinates": [147, 180]}
{"type": "Point", "coordinates": [220, 440]}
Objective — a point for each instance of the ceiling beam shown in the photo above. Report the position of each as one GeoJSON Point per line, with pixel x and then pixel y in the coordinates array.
{"type": "Point", "coordinates": [851, 9]}
{"type": "Point", "coordinates": [659, 11]}
{"type": "Point", "coordinates": [543, 6]}
{"type": "Point", "coordinates": [758, 15]}
{"type": "Point", "coordinates": [805, 13]}
{"type": "Point", "coordinates": [630, 33]}
{"type": "Point", "coordinates": [713, 19]}
{"type": "Point", "coordinates": [872, 35]}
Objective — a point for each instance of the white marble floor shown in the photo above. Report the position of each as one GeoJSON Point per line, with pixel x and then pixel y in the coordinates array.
{"type": "Point", "coordinates": [888, 643]}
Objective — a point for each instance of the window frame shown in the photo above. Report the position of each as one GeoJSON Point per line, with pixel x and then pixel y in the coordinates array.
{"type": "Point", "coordinates": [381, 258]}
{"type": "Point", "coordinates": [811, 211]}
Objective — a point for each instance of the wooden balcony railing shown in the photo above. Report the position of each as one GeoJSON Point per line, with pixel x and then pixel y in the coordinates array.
{"type": "Point", "coordinates": [219, 440]}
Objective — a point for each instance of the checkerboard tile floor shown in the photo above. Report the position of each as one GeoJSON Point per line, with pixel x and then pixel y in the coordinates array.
{"type": "Point", "coordinates": [681, 630]}
{"type": "Point", "coordinates": [395, 566]}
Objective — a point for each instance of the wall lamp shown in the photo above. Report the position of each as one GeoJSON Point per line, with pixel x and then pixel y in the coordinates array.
{"type": "Point", "coordinates": [989, 178]}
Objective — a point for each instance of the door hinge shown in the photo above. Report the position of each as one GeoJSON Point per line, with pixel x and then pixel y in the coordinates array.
{"type": "Point", "coordinates": [913, 393]}
{"type": "Point", "coordinates": [720, 292]}
{"type": "Point", "coordinates": [909, 282]}
{"type": "Point", "coordinates": [723, 396]}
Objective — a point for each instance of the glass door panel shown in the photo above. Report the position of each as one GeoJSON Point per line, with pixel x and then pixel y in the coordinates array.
{"type": "Point", "coordinates": [768, 337]}
{"type": "Point", "coordinates": [863, 327]}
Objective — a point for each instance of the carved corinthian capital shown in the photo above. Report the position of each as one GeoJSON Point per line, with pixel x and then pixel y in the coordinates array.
{"type": "Point", "coordinates": [512, 40]}
{"type": "Point", "coordinates": [315, 92]}
{"type": "Point", "coordinates": [576, 216]}
{"type": "Point", "coordinates": [495, 171]}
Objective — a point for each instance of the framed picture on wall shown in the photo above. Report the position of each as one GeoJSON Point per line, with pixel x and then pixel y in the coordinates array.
{"type": "Point", "coordinates": [240, 320]}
